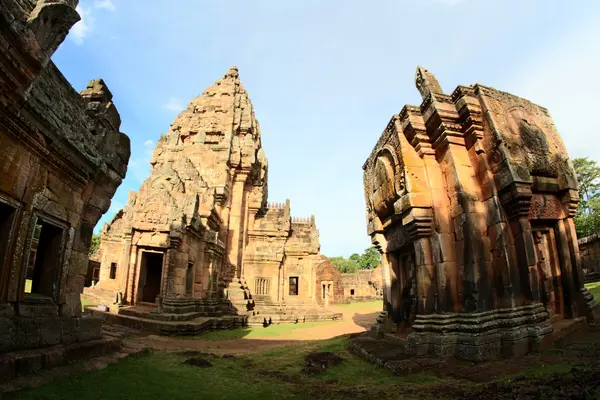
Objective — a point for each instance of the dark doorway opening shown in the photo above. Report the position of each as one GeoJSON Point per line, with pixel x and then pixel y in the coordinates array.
{"type": "Point", "coordinates": [44, 260]}
{"type": "Point", "coordinates": [189, 278]}
{"type": "Point", "coordinates": [293, 286]}
{"type": "Point", "coordinates": [113, 271]}
{"type": "Point", "coordinates": [152, 274]}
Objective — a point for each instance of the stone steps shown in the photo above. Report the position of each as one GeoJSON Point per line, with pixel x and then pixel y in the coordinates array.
{"type": "Point", "coordinates": [191, 327]}
{"type": "Point", "coordinates": [25, 362]}
{"type": "Point", "coordinates": [45, 376]}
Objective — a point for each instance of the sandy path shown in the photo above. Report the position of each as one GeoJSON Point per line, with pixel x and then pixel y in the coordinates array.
{"type": "Point", "coordinates": [353, 322]}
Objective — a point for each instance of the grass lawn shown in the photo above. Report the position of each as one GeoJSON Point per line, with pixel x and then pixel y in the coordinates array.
{"type": "Point", "coordinates": [361, 306]}
{"type": "Point", "coordinates": [86, 302]}
{"type": "Point", "coordinates": [259, 331]}
{"type": "Point", "coordinates": [594, 288]}
{"type": "Point", "coordinates": [274, 374]}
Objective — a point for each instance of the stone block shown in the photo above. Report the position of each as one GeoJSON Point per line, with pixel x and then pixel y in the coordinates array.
{"type": "Point", "coordinates": [7, 367]}
{"type": "Point", "coordinates": [6, 335]}
{"type": "Point", "coordinates": [50, 331]}
{"type": "Point", "coordinates": [90, 328]}
{"type": "Point", "coordinates": [26, 333]}
{"type": "Point", "coordinates": [69, 330]}
{"type": "Point", "coordinates": [53, 357]}
{"type": "Point", "coordinates": [27, 362]}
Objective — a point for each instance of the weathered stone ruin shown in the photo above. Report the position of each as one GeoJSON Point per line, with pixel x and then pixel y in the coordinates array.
{"type": "Point", "coordinates": [200, 240]}
{"type": "Point", "coordinates": [589, 248]}
{"type": "Point", "coordinates": [470, 199]}
{"type": "Point", "coordinates": [363, 285]}
{"type": "Point", "coordinates": [61, 159]}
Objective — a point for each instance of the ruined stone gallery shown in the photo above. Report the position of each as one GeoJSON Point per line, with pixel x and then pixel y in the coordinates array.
{"type": "Point", "coordinates": [62, 158]}
{"type": "Point", "coordinates": [200, 236]}
{"type": "Point", "coordinates": [470, 198]}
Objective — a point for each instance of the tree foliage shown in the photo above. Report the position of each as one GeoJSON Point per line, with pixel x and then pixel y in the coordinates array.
{"type": "Point", "coordinates": [587, 220]}
{"type": "Point", "coordinates": [95, 244]}
{"type": "Point", "coordinates": [369, 259]}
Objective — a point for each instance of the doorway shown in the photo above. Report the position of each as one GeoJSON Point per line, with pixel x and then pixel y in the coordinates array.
{"type": "Point", "coordinates": [326, 291]}
{"type": "Point", "coordinates": [43, 268]}
{"type": "Point", "coordinates": [549, 282]}
{"type": "Point", "coordinates": [151, 276]}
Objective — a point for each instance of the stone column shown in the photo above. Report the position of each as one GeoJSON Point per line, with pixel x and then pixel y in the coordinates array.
{"type": "Point", "coordinates": [236, 225]}
{"type": "Point", "coordinates": [169, 290]}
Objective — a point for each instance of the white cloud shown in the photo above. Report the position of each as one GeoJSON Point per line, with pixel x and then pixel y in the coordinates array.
{"type": "Point", "coordinates": [449, 3]}
{"type": "Point", "coordinates": [149, 143]}
{"type": "Point", "coordinates": [105, 4]}
{"type": "Point", "coordinates": [83, 27]}
{"type": "Point", "coordinates": [174, 104]}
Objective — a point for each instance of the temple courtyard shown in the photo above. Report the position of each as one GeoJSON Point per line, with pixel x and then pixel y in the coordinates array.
{"type": "Point", "coordinates": [259, 363]}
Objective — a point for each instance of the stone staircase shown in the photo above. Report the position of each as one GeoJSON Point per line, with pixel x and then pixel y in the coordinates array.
{"type": "Point", "coordinates": [239, 299]}
{"type": "Point", "coordinates": [266, 310]}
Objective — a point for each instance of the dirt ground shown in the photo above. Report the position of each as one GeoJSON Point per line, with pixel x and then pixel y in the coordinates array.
{"type": "Point", "coordinates": [353, 322]}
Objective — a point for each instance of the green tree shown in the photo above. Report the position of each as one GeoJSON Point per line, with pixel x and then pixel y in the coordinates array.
{"type": "Point", "coordinates": [588, 176]}
{"type": "Point", "coordinates": [95, 244]}
{"type": "Point", "coordinates": [344, 265]}
{"type": "Point", "coordinates": [587, 220]}
{"type": "Point", "coordinates": [368, 260]}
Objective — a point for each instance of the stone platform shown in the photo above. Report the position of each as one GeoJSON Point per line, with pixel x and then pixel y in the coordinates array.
{"type": "Point", "coordinates": [394, 351]}
{"type": "Point", "coordinates": [143, 318]}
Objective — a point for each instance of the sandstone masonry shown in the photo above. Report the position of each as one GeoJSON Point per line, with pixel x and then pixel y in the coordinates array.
{"type": "Point", "coordinates": [470, 199]}
{"type": "Point", "coordinates": [200, 237]}
{"type": "Point", "coordinates": [62, 158]}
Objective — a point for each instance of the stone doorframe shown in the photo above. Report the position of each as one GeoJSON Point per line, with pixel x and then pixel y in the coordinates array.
{"type": "Point", "coordinates": [138, 271]}
{"type": "Point", "coordinates": [326, 291]}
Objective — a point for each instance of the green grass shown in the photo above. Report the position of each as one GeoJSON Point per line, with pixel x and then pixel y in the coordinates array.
{"type": "Point", "coordinates": [594, 289]}
{"type": "Point", "coordinates": [86, 302]}
{"type": "Point", "coordinates": [274, 374]}
{"type": "Point", "coordinates": [361, 307]}
{"type": "Point", "coordinates": [272, 331]}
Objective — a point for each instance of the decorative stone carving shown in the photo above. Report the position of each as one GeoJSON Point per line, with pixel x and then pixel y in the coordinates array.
{"type": "Point", "coordinates": [486, 214]}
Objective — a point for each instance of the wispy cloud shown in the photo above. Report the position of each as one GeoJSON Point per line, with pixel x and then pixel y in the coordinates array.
{"type": "Point", "coordinates": [450, 3]}
{"type": "Point", "coordinates": [105, 4]}
{"type": "Point", "coordinates": [174, 104]}
{"type": "Point", "coordinates": [149, 143]}
{"type": "Point", "coordinates": [83, 27]}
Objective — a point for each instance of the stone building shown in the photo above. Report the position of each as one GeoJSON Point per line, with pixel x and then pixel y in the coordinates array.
{"type": "Point", "coordinates": [363, 285]}
{"type": "Point", "coordinates": [589, 248]}
{"type": "Point", "coordinates": [470, 199]}
{"type": "Point", "coordinates": [199, 236]}
{"type": "Point", "coordinates": [61, 159]}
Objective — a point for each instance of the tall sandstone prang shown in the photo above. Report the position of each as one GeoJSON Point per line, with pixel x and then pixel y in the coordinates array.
{"type": "Point", "coordinates": [470, 199]}
{"type": "Point", "coordinates": [62, 158]}
{"type": "Point", "coordinates": [199, 236]}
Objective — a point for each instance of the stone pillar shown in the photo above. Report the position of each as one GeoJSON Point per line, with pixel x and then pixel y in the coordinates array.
{"type": "Point", "coordinates": [169, 263]}
{"type": "Point", "coordinates": [237, 224]}
{"type": "Point", "coordinates": [133, 269]}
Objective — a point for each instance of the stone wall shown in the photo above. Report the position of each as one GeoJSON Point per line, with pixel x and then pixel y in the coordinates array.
{"type": "Point", "coordinates": [63, 159]}
{"type": "Point", "coordinates": [204, 210]}
{"type": "Point", "coordinates": [470, 199]}
{"type": "Point", "coordinates": [363, 285]}
{"type": "Point", "coordinates": [589, 248]}
{"type": "Point", "coordinates": [327, 274]}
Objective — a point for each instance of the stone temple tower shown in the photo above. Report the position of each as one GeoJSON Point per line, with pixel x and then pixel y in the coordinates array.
{"type": "Point", "coordinates": [200, 236]}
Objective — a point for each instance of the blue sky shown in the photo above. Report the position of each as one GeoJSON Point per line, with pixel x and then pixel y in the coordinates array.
{"type": "Point", "coordinates": [326, 76]}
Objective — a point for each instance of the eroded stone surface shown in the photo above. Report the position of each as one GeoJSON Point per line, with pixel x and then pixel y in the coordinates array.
{"type": "Point", "coordinates": [63, 158]}
{"type": "Point", "coordinates": [470, 199]}
{"type": "Point", "coordinates": [199, 236]}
